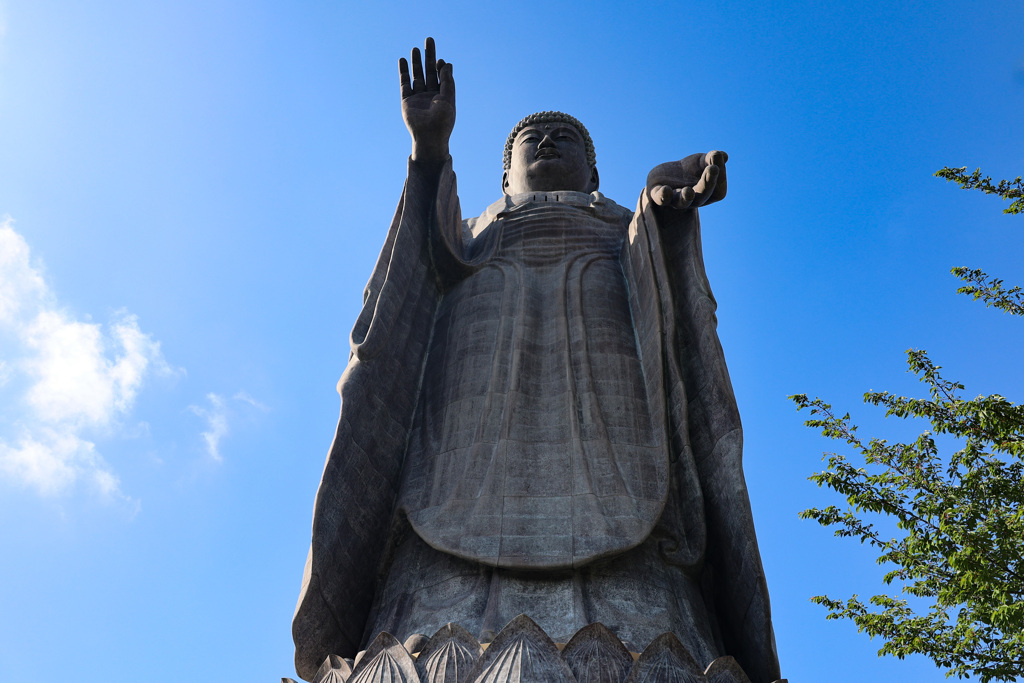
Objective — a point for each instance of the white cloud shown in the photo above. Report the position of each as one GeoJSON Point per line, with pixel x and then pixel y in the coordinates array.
{"type": "Point", "coordinates": [246, 398]}
{"type": "Point", "coordinates": [78, 379]}
{"type": "Point", "coordinates": [21, 285]}
{"type": "Point", "coordinates": [217, 416]}
{"type": "Point", "coordinates": [51, 461]}
{"type": "Point", "coordinates": [217, 424]}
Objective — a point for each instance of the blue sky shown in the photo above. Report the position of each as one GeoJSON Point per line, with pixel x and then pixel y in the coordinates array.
{"type": "Point", "coordinates": [193, 195]}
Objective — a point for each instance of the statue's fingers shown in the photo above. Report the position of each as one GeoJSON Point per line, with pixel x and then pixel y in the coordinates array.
{"type": "Point", "coordinates": [447, 79]}
{"type": "Point", "coordinates": [665, 195]}
{"type": "Point", "coordinates": [661, 195]}
{"type": "Point", "coordinates": [403, 77]}
{"type": "Point", "coordinates": [716, 157]}
{"type": "Point", "coordinates": [430, 64]}
{"type": "Point", "coordinates": [720, 187]}
{"type": "Point", "coordinates": [706, 185]}
{"type": "Point", "coordinates": [683, 197]}
{"type": "Point", "coordinates": [417, 71]}
{"type": "Point", "coordinates": [686, 171]}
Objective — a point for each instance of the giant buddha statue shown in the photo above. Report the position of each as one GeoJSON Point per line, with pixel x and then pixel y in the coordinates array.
{"type": "Point", "coordinates": [536, 417]}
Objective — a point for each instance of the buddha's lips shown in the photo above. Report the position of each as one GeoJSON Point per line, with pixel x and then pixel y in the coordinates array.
{"type": "Point", "coordinates": [547, 154]}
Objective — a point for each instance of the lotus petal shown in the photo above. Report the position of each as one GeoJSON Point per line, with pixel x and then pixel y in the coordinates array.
{"type": "Point", "coordinates": [385, 661]}
{"type": "Point", "coordinates": [521, 653]}
{"type": "Point", "coordinates": [415, 643]}
{"type": "Point", "coordinates": [666, 661]}
{"type": "Point", "coordinates": [333, 670]}
{"type": "Point", "coordinates": [725, 670]}
{"type": "Point", "coordinates": [448, 656]}
{"type": "Point", "coordinates": [596, 655]}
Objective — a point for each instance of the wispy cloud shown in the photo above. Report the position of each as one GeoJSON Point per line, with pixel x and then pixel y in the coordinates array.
{"type": "Point", "coordinates": [216, 423]}
{"type": "Point", "coordinates": [246, 398]}
{"type": "Point", "coordinates": [217, 414]}
{"type": "Point", "coordinates": [51, 460]}
{"type": "Point", "coordinates": [66, 381]}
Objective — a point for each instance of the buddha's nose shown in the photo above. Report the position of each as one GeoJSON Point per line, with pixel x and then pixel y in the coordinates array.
{"type": "Point", "coordinates": [546, 141]}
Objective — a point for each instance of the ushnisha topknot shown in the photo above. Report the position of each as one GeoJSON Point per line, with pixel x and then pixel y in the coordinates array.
{"type": "Point", "coordinates": [549, 117]}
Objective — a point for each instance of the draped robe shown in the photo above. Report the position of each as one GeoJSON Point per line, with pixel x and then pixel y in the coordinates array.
{"type": "Point", "coordinates": [536, 398]}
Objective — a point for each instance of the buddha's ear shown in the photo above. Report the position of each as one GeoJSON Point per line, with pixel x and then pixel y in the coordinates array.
{"type": "Point", "coordinates": [595, 179]}
{"type": "Point", "coordinates": [504, 182]}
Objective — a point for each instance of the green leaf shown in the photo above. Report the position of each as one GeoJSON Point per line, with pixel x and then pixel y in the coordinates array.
{"type": "Point", "coordinates": [960, 550]}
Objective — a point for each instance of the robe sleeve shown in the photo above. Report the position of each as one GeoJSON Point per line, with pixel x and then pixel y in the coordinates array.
{"type": "Point", "coordinates": [379, 389]}
{"type": "Point", "coordinates": [734, 576]}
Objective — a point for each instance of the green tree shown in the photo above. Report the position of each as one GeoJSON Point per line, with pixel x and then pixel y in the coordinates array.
{"type": "Point", "coordinates": [960, 518]}
{"type": "Point", "coordinates": [1005, 189]}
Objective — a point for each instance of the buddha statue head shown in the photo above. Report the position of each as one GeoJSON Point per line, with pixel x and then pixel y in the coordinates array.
{"type": "Point", "coordinates": [547, 152]}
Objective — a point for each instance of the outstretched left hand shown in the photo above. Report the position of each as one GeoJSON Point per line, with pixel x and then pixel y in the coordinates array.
{"type": "Point", "coordinates": [696, 180]}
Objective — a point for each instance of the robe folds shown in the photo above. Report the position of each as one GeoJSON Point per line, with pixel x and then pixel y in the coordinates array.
{"type": "Point", "coordinates": [536, 392]}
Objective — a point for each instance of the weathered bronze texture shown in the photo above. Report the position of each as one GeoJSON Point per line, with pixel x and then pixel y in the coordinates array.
{"type": "Point", "coordinates": [537, 418]}
{"type": "Point", "coordinates": [523, 653]}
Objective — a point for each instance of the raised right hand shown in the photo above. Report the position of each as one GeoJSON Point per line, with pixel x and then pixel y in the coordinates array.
{"type": "Point", "coordinates": [428, 104]}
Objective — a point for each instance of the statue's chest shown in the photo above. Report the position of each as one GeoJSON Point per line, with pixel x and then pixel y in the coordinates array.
{"type": "Point", "coordinates": [551, 233]}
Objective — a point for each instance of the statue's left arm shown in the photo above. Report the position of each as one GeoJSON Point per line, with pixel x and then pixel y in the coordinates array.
{"type": "Point", "coordinates": [691, 182]}
{"type": "Point", "coordinates": [669, 213]}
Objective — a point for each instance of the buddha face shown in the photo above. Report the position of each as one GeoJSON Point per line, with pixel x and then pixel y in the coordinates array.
{"type": "Point", "coordinates": [547, 157]}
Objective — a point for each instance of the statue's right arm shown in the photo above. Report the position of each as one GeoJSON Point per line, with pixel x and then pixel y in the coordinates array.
{"type": "Point", "coordinates": [428, 106]}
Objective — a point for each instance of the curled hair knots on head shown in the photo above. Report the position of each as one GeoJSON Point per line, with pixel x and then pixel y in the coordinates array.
{"type": "Point", "coordinates": [549, 117]}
